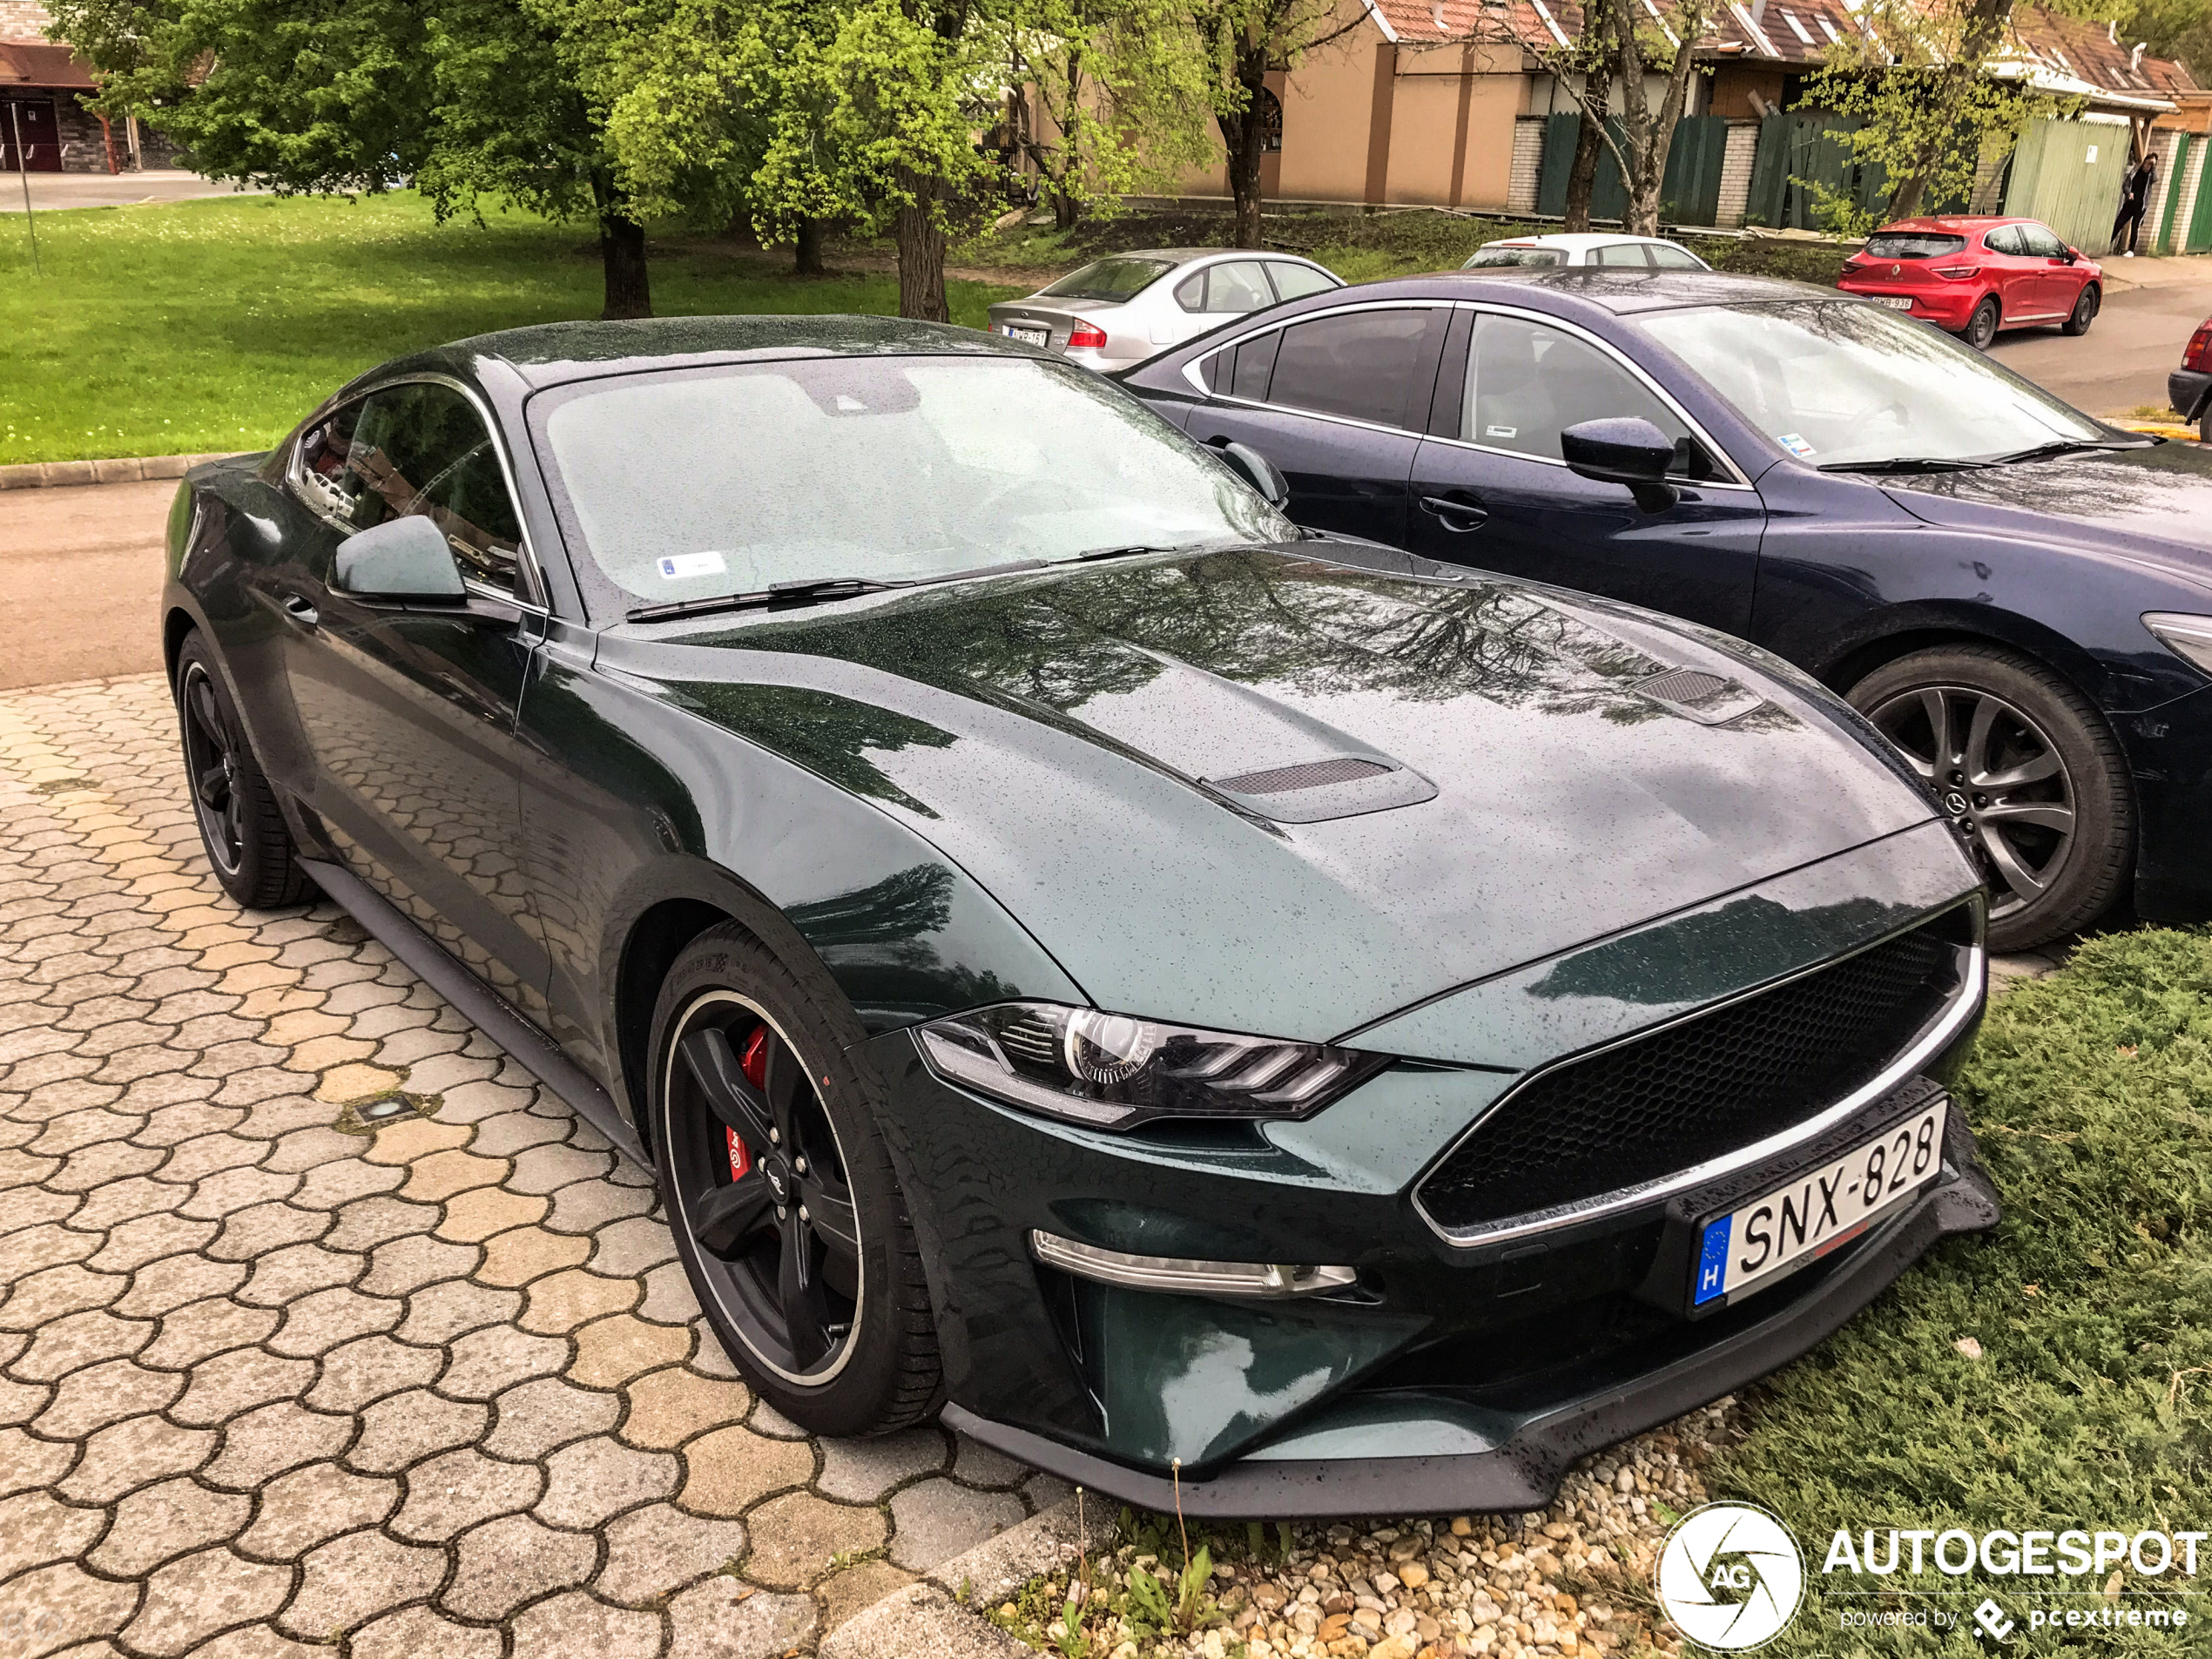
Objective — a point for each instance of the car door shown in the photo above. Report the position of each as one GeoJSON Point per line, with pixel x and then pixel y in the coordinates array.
{"type": "Point", "coordinates": [1491, 489]}
{"type": "Point", "coordinates": [408, 713]}
{"type": "Point", "coordinates": [2011, 273]}
{"type": "Point", "coordinates": [2055, 279]}
{"type": "Point", "coordinates": [1336, 401]}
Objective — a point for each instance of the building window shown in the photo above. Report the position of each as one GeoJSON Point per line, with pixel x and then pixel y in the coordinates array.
{"type": "Point", "coordinates": [1269, 109]}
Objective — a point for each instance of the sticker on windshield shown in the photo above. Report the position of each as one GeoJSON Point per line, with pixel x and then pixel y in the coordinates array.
{"type": "Point", "coordinates": [677, 566]}
{"type": "Point", "coordinates": [1796, 445]}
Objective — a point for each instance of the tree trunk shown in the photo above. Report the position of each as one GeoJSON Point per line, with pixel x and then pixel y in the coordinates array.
{"type": "Point", "coordinates": [1245, 135]}
{"type": "Point", "coordinates": [806, 249]}
{"type": "Point", "coordinates": [622, 251]}
{"type": "Point", "coordinates": [1651, 136]}
{"type": "Point", "coordinates": [1984, 25]}
{"type": "Point", "coordinates": [1589, 145]}
{"type": "Point", "coordinates": [921, 250]}
{"type": "Point", "coordinates": [1067, 211]}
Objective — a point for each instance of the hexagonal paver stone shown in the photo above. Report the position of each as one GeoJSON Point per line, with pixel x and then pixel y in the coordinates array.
{"type": "Point", "coordinates": [979, 1466]}
{"type": "Point", "coordinates": [366, 1223]}
{"type": "Point", "coordinates": [444, 1311]}
{"type": "Point", "coordinates": [79, 1340]}
{"type": "Point", "coordinates": [309, 1505]}
{"type": "Point", "coordinates": [625, 1249]}
{"type": "Point", "coordinates": [46, 1296]}
{"type": "Point", "coordinates": [231, 1383]}
{"type": "Point", "coordinates": [565, 1300]}
{"type": "Point", "coordinates": [35, 1530]}
{"type": "Point", "coordinates": [451, 1493]}
{"type": "Point", "coordinates": [254, 1641]}
{"type": "Point", "coordinates": [414, 1137]}
{"type": "Point", "coordinates": [659, 1548]}
{"type": "Point", "coordinates": [589, 1205]}
{"type": "Point", "coordinates": [723, 1619]}
{"type": "Point", "coordinates": [133, 1452]}
{"type": "Point", "coordinates": [507, 1133]}
{"type": "Point", "coordinates": [188, 1600]}
{"type": "Point", "coordinates": [795, 1537]}
{"type": "Point", "coordinates": [857, 1588]}
{"type": "Point", "coordinates": [101, 1394]}
{"type": "Point", "coordinates": [595, 1479]}
{"type": "Point", "coordinates": [60, 1604]}
{"type": "Point", "coordinates": [444, 1174]}
{"type": "Point", "coordinates": [731, 1468]}
{"type": "Point", "coordinates": [937, 1521]}
{"type": "Point", "coordinates": [476, 1216]}
{"type": "Point", "coordinates": [164, 1286]}
{"type": "Point", "coordinates": [407, 1264]}
{"type": "Point", "coordinates": [317, 1322]}
{"type": "Point", "coordinates": [351, 1580]}
{"type": "Point", "coordinates": [515, 1257]}
{"type": "Point", "coordinates": [573, 1624]}
{"type": "Point", "coordinates": [156, 1522]}
{"type": "Point", "coordinates": [863, 1471]}
{"type": "Point", "coordinates": [506, 1562]}
{"type": "Point", "coordinates": [489, 1361]}
{"type": "Point", "coordinates": [136, 1244]}
{"type": "Point", "coordinates": [408, 1427]}
{"type": "Point", "coordinates": [538, 1416]}
{"type": "Point", "coordinates": [669, 1298]}
{"type": "Point", "coordinates": [201, 1329]}
{"type": "Point", "coordinates": [276, 1438]}
{"type": "Point", "coordinates": [257, 1228]}
{"type": "Point", "coordinates": [285, 1276]}
{"type": "Point", "coordinates": [668, 1407]}
{"type": "Point", "coordinates": [417, 1633]}
{"type": "Point", "coordinates": [358, 1372]}
{"type": "Point", "coordinates": [612, 1351]}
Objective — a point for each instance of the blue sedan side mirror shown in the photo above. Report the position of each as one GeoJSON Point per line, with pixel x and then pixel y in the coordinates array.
{"type": "Point", "coordinates": [401, 558]}
{"type": "Point", "coordinates": [1259, 472]}
{"type": "Point", "coordinates": [1628, 451]}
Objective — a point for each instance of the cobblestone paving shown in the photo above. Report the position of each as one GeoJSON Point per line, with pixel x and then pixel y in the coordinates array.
{"type": "Point", "coordinates": [279, 1380]}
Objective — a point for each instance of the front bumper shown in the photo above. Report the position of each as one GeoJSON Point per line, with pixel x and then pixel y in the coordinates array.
{"type": "Point", "coordinates": [1404, 1452]}
{"type": "Point", "coordinates": [2186, 389]}
{"type": "Point", "coordinates": [2169, 756]}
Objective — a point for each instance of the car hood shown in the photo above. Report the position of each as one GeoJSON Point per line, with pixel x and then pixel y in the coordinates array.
{"type": "Point", "coordinates": [2152, 506]}
{"type": "Point", "coordinates": [1458, 773]}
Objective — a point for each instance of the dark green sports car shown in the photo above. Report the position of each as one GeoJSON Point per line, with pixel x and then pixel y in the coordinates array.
{"type": "Point", "coordinates": [1187, 998]}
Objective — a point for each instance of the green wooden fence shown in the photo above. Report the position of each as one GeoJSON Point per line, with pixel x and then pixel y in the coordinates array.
{"type": "Point", "coordinates": [2069, 174]}
{"type": "Point", "coordinates": [2175, 181]}
{"type": "Point", "coordinates": [1688, 194]}
{"type": "Point", "coordinates": [2197, 239]}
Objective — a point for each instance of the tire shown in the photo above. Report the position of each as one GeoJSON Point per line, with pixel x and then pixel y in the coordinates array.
{"type": "Point", "coordinates": [1981, 328]}
{"type": "Point", "coordinates": [2055, 841]}
{"type": "Point", "coordinates": [2204, 425]}
{"type": "Point", "coordinates": [2085, 311]}
{"type": "Point", "coordinates": [736, 1044]}
{"type": "Point", "coordinates": [241, 827]}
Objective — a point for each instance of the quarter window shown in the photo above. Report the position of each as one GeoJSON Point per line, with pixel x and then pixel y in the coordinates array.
{"type": "Point", "coordinates": [1239, 286]}
{"type": "Point", "coordinates": [1620, 254]}
{"type": "Point", "coordinates": [2005, 239]}
{"type": "Point", "coordinates": [1668, 256]}
{"type": "Point", "coordinates": [1361, 364]}
{"type": "Point", "coordinates": [1296, 281]}
{"type": "Point", "coordinates": [1526, 383]}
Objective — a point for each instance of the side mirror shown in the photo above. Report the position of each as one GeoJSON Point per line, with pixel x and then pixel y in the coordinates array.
{"type": "Point", "coordinates": [1259, 472]}
{"type": "Point", "coordinates": [401, 558]}
{"type": "Point", "coordinates": [2071, 257]}
{"type": "Point", "coordinates": [1628, 451]}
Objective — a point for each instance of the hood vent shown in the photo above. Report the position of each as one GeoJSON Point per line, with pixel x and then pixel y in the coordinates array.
{"type": "Point", "coordinates": [1341, 786]}
{"type": "Point", "coordinates": [1707, 698]}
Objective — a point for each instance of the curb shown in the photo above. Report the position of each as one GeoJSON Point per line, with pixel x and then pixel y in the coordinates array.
{"type": "Point", "coordinates": [130, 469]}
{"type": "Point", "coordinates": [925, 1618]}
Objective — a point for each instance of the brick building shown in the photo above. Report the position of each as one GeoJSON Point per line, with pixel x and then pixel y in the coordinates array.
{"type": "Point", "coordinates": [43, 88]}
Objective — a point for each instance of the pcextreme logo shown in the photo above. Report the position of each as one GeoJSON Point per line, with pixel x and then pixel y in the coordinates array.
{"type": "Point", "coordinates": [1730, 1576]}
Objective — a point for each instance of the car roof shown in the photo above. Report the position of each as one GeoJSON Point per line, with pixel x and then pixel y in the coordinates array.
{"type": "Point", "coordinates": [1610, 287]}
{"type": "Point", "coordinates": [1956, 224]}
{"type": "Point", "coordinates": [550, 354]}
{"type": "Point", "coordinates": [1575, 240]}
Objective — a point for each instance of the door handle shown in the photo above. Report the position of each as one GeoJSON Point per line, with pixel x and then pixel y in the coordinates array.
{"type": "Point", "coordinates": [1456, 515]}
{"type": "Point", "coordinates": [297, 607]}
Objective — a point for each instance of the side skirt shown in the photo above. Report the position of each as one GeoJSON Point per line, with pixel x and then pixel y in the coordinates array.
{"type": "Point", "coordinates": [529, 1046]}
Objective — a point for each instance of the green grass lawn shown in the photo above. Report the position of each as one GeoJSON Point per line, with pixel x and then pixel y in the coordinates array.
{"type": "Point", "coordinates": [214, 325]}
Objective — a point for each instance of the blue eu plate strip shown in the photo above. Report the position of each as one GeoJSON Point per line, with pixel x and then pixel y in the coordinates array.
{"type": "Point", "coordinates": [1712, 1261]}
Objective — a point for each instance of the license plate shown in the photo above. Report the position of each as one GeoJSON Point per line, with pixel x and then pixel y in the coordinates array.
{"type": "Point", "coordinates": [1821, 1210]}
{"type": "Point", "coordinates": [1894, 301]}
{"type": "Point", "coordinates": [1029, 336]}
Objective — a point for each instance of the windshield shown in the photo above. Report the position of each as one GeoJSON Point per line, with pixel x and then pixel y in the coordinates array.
{"type": "Point", "coordinates": [1499, 253]}
{"type": "Point", "coordinates": [1912, 245]}
{"type": "Point", "coordinates": [1109, 278]}
{"type": "Point", "coordinates": [707, 482]}
{"type": "Point", "coordinates": [1839, 381]}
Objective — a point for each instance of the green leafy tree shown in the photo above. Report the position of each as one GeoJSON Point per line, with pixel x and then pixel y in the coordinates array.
{"type": "Point", "coordinates": [1243, 42]}
{"type": "Point", "coordinates": [1636, 42]}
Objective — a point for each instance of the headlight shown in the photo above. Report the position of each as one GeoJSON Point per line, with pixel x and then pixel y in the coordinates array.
{"type": "Point", "coordinates": [2186, 636]}
{"type": "Point", "coordinates": [1112, 1071]}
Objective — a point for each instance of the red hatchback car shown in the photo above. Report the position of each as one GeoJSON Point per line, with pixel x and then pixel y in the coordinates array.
{"type": "Point", "coordinates": [1974, 276]}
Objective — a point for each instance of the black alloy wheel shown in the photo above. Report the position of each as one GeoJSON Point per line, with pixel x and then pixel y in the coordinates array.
{"type": "Point", "coordinates": [241, 824]}
{"type": "Point", "coordinates": [2027, 773]}
{"type": "Point", "coordinates": [2085, 311]}
{"type": "Point", "coordinates": [787, 1213]}
{"type": "Point", "coordinates": [1981, 328]}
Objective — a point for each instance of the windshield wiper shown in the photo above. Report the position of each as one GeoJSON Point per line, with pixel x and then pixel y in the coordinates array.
{"type": "Point", "coordinates": [1907, 463]}
{"type": "Point", "coordinates": [2063, 447]}
{"type": "Point", "coordinates": [776, 593]}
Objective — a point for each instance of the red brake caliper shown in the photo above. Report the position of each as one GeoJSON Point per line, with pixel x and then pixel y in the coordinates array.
{"type": "Point", "coordinates": [752, 1060]}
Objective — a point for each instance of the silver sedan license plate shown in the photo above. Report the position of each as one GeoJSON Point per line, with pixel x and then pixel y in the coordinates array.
{"type": "Point", "coordinates": [1894, 301]}
{"type": "Point", "coordinates": [1029, 336]}
{"type": "Point", "coordinates": [1821, 1210]}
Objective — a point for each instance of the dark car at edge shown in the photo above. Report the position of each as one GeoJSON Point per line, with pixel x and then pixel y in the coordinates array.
{"type": "Point", "coordinates": [1191, 999]}
{"type": "Point", "coordinates": [2019, 596]}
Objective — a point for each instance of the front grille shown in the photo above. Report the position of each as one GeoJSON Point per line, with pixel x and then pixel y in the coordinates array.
{"type": "Point", "coordinates": [1696, 1090]}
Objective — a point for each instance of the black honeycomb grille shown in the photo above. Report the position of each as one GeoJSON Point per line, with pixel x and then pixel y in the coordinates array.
{"type": "Point", "coordinates": [1696, 1090]}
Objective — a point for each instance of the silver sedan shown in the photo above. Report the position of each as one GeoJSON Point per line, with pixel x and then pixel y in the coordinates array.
{"type": "Point", "coordinates": [1124, 308]}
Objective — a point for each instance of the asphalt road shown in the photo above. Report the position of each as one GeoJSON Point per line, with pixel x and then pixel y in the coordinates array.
{"type": "Point", "coordinates": [2121, 364]}
{"type": "Point", "coordinates": [53, 191]}
{"type": "Point", "coordinates": [80, 581]}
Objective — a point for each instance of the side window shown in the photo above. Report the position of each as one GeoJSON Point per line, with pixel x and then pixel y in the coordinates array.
{"type": "Point", "coordinates": [459, 485]}
{"type": "Point", "coordinates": [1255, 365]}
{"type": "Point", "coordinates": [1667, 257]}
{"type": "Point", "coordinates": [342, 469]}
{"type": "Point", "coordinates": [1295, 281]}
{"type": "Point", "coordinates": [1236, 287]}
{"type": "Point", "coordinates": [1360, 363]}
{"type": "Point", "coordinates": [2041, 244]}
{"type": "Point", "coordinates": [1190, 292]}
{"type": "Point", "coordinates": [1630, 254]}
{"type": "Point", "coordinates": [1527, 383]}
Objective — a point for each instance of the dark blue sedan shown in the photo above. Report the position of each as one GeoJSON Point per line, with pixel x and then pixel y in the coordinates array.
{"type": "Point", "coordinates": [2019, 596]}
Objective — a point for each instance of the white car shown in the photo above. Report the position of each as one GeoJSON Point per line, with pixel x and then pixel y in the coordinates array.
{"type": "Point", "coordinates": [1123, 308]}
{"type": "Point", "coordinates": [1588, 247]}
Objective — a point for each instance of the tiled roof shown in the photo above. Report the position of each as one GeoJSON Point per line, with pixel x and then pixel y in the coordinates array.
{"type": "Point", "coordinates": [2094, 54]}
{"type": "Point", "coordinates": [40, 63]}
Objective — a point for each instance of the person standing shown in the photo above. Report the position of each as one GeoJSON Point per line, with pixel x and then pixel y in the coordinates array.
{"type": "Point", "coordinates": [2135, 201]}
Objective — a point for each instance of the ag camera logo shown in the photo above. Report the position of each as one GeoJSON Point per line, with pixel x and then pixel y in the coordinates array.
{"type": "Point", "coordinates": [1730, 1576]}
